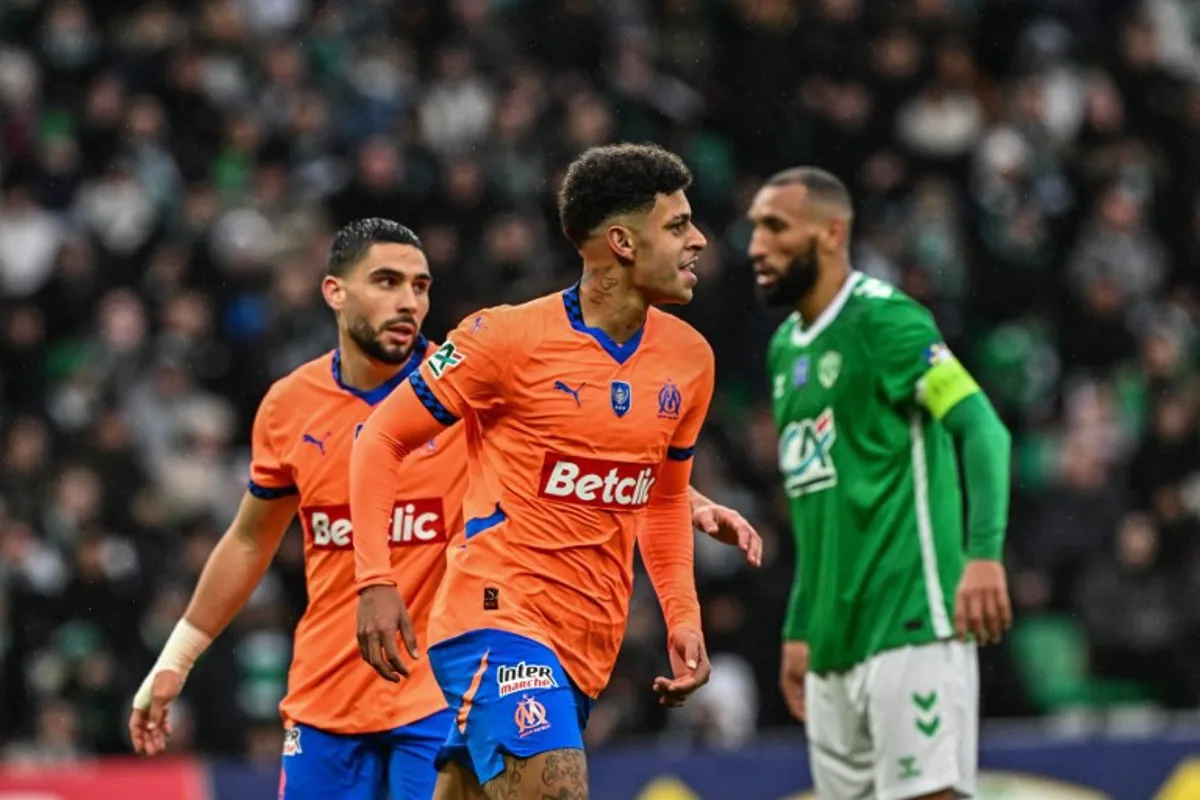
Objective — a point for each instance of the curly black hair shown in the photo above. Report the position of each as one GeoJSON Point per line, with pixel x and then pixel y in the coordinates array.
{"type": "Point", "coordinates": [351, 243]}
{"type": "Point", "coordinates": [616, 179]}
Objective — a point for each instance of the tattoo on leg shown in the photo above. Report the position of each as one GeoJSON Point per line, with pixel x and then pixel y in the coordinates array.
{"type": "Point", "coordinates": [563, 777]}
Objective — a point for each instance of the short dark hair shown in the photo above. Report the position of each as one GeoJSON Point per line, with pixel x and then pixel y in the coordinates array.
{"type": "Point", "coordinates": [823, 186]}
{"type": "Point", "coordinates": [616, 179]}
{"type": "Point", "coordinates": [351, 243]}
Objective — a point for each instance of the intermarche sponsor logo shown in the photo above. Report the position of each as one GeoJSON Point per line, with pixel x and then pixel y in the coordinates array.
{"type": "Point", "coordinates": [596, 483]}
{"type": "Point", "coordinates": [524, 677]}
{"type": "Point", "coordinates": [414, 522]}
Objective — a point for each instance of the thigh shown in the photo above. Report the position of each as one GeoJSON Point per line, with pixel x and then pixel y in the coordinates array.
{"type": "Point", "coordinates": [924, 715]}
{"type": "Point", "coordinates": [839, 745]}
{"type": "Point", "coordinates": [412, 752]}
{"type": "Point", "coordinates": [456, 782]}
{"type": "Point", "coordinates": [324, 766]}
{"type": "Point", "coordinates": [560, 774]}
{"type": "Point", "coordinates": [510, 696]}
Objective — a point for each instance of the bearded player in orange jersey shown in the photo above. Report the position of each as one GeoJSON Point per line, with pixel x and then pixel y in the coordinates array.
{"type": "Point", "coordinates": [349, 736]}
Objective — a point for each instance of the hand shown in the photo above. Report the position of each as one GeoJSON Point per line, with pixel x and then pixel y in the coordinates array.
{"type": "Point", "coordinates": [729, 527]}
{"type": "Point", "coordinates": [148, 727]}
{"type": "Point", "coordinates": [382, 616]}
{"type": "Point", "coordinates": [981, 605]}
{"type": "Point", "coordinates": [689, 663]}
{"type": "Point", "coordinates": [792, 672]}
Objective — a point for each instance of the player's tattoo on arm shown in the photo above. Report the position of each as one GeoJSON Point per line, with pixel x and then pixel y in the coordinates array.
{"type": "Point", "coordinates": [563, 777]}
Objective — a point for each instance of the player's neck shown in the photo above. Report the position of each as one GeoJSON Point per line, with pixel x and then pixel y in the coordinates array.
{"type": "Point", "coordinates": [609, 301]}
{"type": "Point", "coordinates": [358, 371]}
{"type": "Point", "coordinates": [824, 291]}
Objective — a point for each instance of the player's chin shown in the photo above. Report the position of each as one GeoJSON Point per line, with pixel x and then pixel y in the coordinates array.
{"type": "Point", "coordinates": [681, 291]}
{"type": "Point", "coordinates": [392, 352]}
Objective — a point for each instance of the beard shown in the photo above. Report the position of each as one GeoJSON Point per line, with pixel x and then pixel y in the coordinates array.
{"type": "Point", "coordinates": [795, 281]}
{"type": "Point", "coordinates": [367, 339]}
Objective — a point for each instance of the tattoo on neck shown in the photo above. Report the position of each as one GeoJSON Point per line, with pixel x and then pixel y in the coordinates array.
{"type": "Point", "coordinates": [600, 284]}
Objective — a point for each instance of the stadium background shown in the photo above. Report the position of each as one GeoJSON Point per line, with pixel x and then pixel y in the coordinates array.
{"type": "Point", "coordinates": [172, 172]}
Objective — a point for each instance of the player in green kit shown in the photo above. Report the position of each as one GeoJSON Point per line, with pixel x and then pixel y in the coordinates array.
{"type": "Point", "coordinates": [890, 596]}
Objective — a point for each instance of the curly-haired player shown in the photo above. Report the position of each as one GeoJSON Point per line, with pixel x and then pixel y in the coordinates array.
{"type": "Point", "coordinates": [582, 410]}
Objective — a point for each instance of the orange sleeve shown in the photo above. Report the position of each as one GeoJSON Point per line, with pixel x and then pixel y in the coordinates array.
{"type": "Point", "coordinates": [401, 423]}
{"type": "Point", "coordinates": [270, 477]}
{"type": "Point", "coordinates": [470, 370]}
{"type": "Point", "coordinates": [667, 543]}
{"type": "Point", "coordinates": [698, 399]}
{"type": "Point", "coordinates": [668, 547]}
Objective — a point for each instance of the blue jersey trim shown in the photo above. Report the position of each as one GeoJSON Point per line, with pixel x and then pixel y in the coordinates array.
{"type": "Point", "coordinates": [272, 492]}
{"type": "Point", "coordinates": [377, 395]}
{"type": "Point", "coordinates": [620, 352]}
{"type": "Point", "coordinates": [477, 525]}
{"type": "Point", "coordinates": [430, 401]}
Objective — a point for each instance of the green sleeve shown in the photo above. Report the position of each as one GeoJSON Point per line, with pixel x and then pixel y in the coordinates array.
{"type": "Point", "coordinates": [909, 351]}
{"type": "Point", "coordinates": [795, 625]}
{"type": "Point", "coordinates": [986, 456]}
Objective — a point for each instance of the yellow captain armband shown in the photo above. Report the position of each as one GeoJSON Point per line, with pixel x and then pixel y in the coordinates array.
{"type": "Point", "coordinates": [946, 383]}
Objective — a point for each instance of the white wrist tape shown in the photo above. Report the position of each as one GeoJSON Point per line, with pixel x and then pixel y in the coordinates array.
{"type": "Point", "coordinates": [185, 644]}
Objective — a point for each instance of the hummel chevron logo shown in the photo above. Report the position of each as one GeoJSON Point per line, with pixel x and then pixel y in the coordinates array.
{"type": "Point", "coordinates": [925, 701]}
{"type": "Point", "coordinates": [929, 727]}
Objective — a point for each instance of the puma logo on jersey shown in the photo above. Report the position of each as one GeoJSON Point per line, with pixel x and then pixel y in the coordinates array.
{"type": "Point", "coordinates": [308, 438]}
{"type": "Point", "coordinates": [562, 387]}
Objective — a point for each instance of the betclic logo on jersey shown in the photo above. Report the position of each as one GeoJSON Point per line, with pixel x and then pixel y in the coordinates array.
{"type": "Point", "coordinates": [414, 522]}
{"type": "Point", "coordinates": [595, 483]}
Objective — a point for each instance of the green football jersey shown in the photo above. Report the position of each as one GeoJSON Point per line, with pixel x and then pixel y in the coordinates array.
{"type": "Point", "coordinates": [870, 473]}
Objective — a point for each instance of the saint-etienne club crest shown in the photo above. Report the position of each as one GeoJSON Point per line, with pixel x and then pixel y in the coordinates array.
{"type": "Point", "coordinates": [621, 396]}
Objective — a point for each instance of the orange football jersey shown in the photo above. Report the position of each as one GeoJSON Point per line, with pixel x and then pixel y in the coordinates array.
{"type": "Point", "coordinates": [568, 434]}
{"type": "Point", "coordinates": [302, 440]}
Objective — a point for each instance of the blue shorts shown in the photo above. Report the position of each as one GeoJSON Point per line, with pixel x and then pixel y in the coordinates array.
{"type": "Point", "coordinates": [318, 765]}
{"type": "Point", "coordinates": [510, 695]}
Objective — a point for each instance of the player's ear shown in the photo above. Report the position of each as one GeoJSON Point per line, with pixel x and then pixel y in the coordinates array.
{"type": "Point", "coordinates": [622, 242]}
{"type": "Point", "coordinates": [834, 237]}
{"type": "Point", "coordinates": [334, 292]}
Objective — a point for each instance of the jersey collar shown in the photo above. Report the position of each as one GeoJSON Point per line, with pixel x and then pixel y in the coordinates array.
{"type": "Point", "coordinates": [619, 352]}
{"type": "Point", "coordinates": [375, 396]}
{"type": "Point", "coordinates": [805, 337]}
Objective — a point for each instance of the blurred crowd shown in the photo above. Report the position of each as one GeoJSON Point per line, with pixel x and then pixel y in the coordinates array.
{"type": "Point", "coordinates": [172, 172]}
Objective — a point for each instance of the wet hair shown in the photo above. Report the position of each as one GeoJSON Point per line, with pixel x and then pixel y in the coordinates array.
{"type": "Point", "coordinates": [351, 243]}
{"type": "Point", "coordinates": [605, 182]}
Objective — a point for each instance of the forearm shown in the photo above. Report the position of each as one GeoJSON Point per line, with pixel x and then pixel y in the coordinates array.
{"type": "Point", "coordinates": [986, 463]}
{"type": "Point", "coordinates": [668, 549]}
{"type": "Point", "coordinates": [232, 573]}
{"type": "Point", "coordinates": [795, 624]}
{"type": "Point", "coordinates": [400, 425]}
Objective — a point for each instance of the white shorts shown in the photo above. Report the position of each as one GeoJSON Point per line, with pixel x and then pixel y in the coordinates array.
{"type": "Point", "coordinates": [903, 724]}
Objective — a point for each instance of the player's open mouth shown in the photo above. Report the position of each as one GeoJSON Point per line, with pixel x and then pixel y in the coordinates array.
{"type": "Point", "coordinates": [401, 330]}
{"type": "Point", "coordinates": [690, 266]}
{"type": "Point", "coordinates": [765, 278]}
